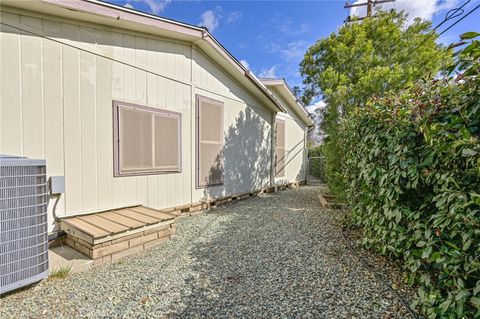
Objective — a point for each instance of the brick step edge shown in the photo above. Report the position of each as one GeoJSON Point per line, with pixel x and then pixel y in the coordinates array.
{"type": "Point", "coordinates": [121, 247]}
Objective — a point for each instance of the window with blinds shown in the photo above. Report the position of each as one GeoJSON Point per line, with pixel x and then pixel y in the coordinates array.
{"type": "Point", "coordinates": [280, 149]}
{"type": "Point", "coordinates": [146, 140]}
{"type": "Point", "coordinates": [209, 142]}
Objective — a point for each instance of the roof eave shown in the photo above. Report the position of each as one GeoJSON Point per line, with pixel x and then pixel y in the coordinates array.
{"type": "Point", "coordinates": [286, 93]}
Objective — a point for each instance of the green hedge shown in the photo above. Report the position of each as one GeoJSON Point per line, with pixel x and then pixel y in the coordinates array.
{"type": "Point", "coordinates": [411, 173]}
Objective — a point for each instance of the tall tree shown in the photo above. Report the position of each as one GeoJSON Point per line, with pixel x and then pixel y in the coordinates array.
{"type": "Point", "coordinates": [364, 59]}
{"type": "Point", "coordinates": [370, 57]}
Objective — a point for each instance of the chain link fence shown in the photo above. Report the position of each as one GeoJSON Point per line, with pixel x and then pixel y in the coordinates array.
{"type": "Point", "coordinates": [316, 173]}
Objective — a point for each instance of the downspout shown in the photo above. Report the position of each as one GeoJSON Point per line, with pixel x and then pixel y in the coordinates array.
{"type": "Point", "coordinates": [308, 130]}
{"type": "Point", "coordinates": [192, 137]}
{"type": "Point", "coordinates": [273, 141]}
{"type": "Point", "coordinates": [305, 155]}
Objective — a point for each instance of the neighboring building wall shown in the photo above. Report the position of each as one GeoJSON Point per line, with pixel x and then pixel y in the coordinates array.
{"type": "Point", "coordinates": [294, 150]}
{"type": "Point", "coordinates": [57, 89]}
{"type": "Point", "coordinates": [295, 145]}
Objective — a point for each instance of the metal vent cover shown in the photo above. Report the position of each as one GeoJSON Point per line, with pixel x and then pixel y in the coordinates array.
{"type": "Point", "coordinates": [23, 222]}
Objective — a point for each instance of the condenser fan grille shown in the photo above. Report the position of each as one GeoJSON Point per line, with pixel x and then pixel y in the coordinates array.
{"type": "Point", "coordinates": [23, 222]}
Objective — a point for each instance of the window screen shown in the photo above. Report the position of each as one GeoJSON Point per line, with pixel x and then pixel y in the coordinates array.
{"type": "Point", "coordinates": [209, 142]}
{"type": "Point", "coordinates": [280, 149]}
{"type": "Point", "coordinates": [147, 140]}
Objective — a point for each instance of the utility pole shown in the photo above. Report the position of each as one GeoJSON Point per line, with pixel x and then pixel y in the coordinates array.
{"type": "Point", "coordinates": [369, 8]}
{"type": "Point", "coordinates": [370, 4]}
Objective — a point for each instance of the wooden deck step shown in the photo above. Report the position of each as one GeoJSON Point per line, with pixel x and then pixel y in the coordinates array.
{"type": "Point", "coordinates": [152, 213]}
{"type": "Point", "coordinates": [88, 228]}
{"type": "Point", "coordinates": [105, 224]}
{"type": "Point", "coordinates": [123, 220]}
{"type": "Point", "coordinates": [109, 235]}
{"type": "Point", "coordinates": [99, 227]}
{"type": "Point", "coordinates": [138, 216]}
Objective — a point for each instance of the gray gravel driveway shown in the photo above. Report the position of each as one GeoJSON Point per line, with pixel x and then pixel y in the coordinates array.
{"type": "Point", "coordinates": [275, 256]}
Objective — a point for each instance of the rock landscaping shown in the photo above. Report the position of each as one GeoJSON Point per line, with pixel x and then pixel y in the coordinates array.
{"type": "Point", "coordinates": [279, 255]}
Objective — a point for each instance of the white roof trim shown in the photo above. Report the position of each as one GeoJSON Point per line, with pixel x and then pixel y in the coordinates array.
{"type": "Point", "coordinates": [295, 105]}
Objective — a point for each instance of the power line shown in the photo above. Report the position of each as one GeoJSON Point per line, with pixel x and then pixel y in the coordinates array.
{"type": "Point", "coordinates": [452, 14]}
{"type": "Point", "coordinates": [456, 22]}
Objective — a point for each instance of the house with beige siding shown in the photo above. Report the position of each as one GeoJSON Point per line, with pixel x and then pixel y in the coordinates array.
{"type": "Point", "coordinates": [134, 109]}
{"type": "Point", "coordinates": [291, 128]}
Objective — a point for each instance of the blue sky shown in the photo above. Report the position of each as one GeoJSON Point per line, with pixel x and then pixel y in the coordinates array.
{"type": "Point", "coordinates": [272, 36]}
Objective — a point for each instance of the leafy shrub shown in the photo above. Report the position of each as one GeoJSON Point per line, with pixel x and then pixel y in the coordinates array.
{"type": "Point", "coordinates": [411, 173]}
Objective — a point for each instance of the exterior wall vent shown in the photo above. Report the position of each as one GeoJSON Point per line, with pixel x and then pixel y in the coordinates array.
{"type": "Point", "coordinates": [23, 222]}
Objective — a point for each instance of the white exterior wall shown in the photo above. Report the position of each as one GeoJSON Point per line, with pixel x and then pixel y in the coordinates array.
{"type": "Point", "coordinates": [58, 79]}
{"type": "Point", "coordinates": [247, 129]}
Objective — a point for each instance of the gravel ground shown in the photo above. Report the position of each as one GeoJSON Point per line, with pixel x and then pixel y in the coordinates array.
{"type": "Point", "coordinates": [275, 256]}
{"type": "Point", "coordinates": [389, 270]}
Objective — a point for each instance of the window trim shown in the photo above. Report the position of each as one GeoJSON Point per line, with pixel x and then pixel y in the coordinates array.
{"type": "Point", "coordinates": [116, 139]}
{"type": "Point", "coordinates": [200, 98]}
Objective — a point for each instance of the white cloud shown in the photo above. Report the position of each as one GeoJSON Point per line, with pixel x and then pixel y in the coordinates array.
{"type": "Point", "coordinates": [320, 104]}
{"type": "Point", "coordinates": [129, 5]}
{"type": "Point", "coordinates": [242, 45]}
{"type": "Point", "coordinates": [425, 9]}
{"type": "Point", "coordinates": [268, 73]}
{"type": "Point", "coordinates": [209, 19]}
{"type": "Point", "coordinates": [245, 64]}
{"type": "Point", "coordinates": [287, 25]}
{"type": "Point", "coordinates": [234, 16]}
{"type": "Point", "coordinates": [294, 49]}
{"type": "Point", "coordinates": [294, 29]}
{"type": "Point", "coordinates": [272, 46]}
{"type": "Point", "coordinates": [155, 6]}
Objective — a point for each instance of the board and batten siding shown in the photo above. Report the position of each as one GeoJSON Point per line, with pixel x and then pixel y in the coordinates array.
{"type": "Point", "coordinates": [247, 132]}
{"type": "Point", "coordinates": [58, 79]}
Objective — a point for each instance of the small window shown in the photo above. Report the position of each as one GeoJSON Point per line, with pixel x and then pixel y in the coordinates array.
{"type": "Point", "coordinates": [146, 140]}
{"type": "Point", "coordinates": [209, 142]}
{"type": "Point", "coordinates": [280, 149]}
